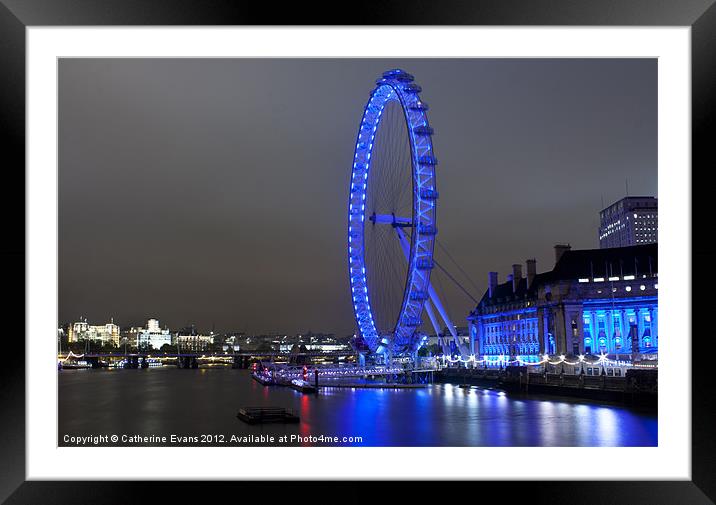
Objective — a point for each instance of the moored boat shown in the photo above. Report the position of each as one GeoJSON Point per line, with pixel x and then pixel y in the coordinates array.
{"type": "Point", "coordinates": [72, 364]}
{"type": "Point", "coordinates": [302, 386]}
{"type": "Point", "coordinates": [264, 380]}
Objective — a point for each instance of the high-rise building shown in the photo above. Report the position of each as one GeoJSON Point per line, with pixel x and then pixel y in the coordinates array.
{"type": "Point", "coordinates": [633, 220]}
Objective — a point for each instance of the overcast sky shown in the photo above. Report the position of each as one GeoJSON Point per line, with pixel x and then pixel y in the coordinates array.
{"type": "Point", "coordinates": [214, 192]}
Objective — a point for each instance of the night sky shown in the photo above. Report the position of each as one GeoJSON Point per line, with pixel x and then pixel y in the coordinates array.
{"type": "Point", "coordinates": [215, 192]}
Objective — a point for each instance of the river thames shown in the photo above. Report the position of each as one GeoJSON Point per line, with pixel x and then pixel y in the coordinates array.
{"type": "Point", "coordinates": [202, 404]}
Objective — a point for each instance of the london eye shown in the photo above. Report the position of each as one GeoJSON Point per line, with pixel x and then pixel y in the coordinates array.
{"type": "Point", "coordinates": [392, 220]}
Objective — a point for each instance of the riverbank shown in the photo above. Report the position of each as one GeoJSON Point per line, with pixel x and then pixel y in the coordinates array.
{"type": "Point", "coordinates": [638, 387]}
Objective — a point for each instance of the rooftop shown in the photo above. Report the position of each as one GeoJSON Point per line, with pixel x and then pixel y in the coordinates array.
{"type": "Point", "coordinates": [580, 264]}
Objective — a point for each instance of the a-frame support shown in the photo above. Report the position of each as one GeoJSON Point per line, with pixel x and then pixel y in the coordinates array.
{"type": "Point", "coordinates": [405, 245]}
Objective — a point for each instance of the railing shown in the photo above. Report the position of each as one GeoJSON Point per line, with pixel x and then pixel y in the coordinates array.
{"type": "Point", "coordinates": [640, 380]}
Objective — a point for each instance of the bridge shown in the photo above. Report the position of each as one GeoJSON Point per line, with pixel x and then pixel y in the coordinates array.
{"type": "Point", "coordinates": [191, 360]}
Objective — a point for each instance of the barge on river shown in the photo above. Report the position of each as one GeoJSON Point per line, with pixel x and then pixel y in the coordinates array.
{"type": "Point", "coordinates": [258, 415]}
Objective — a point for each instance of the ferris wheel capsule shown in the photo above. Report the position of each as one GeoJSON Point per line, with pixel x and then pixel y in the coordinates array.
{"type": "Point", "coordinates": [395, 96]}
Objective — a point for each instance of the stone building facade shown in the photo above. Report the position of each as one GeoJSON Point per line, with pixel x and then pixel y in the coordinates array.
{"type": "Point", "coordinates": [104, 333]}
{"type": "Point", "coordinates": [596, 301]}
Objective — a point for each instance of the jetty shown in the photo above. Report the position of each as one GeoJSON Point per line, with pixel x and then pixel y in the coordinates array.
{"type": "Point", "coordinates": [310, 380]}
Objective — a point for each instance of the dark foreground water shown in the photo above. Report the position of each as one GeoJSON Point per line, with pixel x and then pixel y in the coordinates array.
{"type": "Point", "coordinates": [198, 407]}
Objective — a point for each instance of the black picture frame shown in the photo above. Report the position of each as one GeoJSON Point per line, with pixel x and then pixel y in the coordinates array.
{"type": "Point", "coordinates": [16, 15]}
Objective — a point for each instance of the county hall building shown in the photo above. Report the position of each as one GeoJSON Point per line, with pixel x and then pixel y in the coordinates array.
{"type": "Point", "coordinates": [595, 301]}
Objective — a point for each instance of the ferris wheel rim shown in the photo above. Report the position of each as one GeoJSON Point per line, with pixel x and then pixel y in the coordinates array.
{"type": "Point", "coordinates": [394, 85]}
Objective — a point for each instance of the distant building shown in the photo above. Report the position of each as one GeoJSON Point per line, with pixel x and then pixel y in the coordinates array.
{"type": "Point", "coordinates": [153, 335]}
{"type": "Point", "coordinates": [230, 347]}
{"type": "Point", "coordinates": [445, 337]}
{"type": "Point", "coordinates": [128, 336]}
{"type": "Point", "coordinates": [596, 301]}
{"type": "Point", "coordinates": [633, 220]}
{"type": "Point", "coordinates": [316, 347]}
{"type": "Point", "coordinates": [78, 330]}
{"type": "Point", "coordinates": [194, 342]}
{"type": "Point", "coordinates": [231, 341]}
{"type": "Point", "coordinates": [189, 339]}
{"type": "Point", "coordinates": [82, 330]}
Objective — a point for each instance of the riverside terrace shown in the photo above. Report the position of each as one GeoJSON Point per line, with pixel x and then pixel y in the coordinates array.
{"type": "Point", "coordinates": [636, 386]}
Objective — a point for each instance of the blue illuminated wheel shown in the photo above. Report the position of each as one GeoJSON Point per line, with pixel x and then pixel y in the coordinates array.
{"type": "Point", "coordinates": [391, 217]}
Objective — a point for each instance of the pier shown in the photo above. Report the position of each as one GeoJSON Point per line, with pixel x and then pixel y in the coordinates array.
{"type": "Point", "coordinates": [307, 379]}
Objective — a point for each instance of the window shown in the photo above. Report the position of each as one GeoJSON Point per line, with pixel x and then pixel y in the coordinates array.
{"type": "Point", "coordinates": [601, 324]}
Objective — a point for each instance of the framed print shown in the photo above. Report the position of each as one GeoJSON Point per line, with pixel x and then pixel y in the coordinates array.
{"type": "Point", "coordinates": [426, 251]}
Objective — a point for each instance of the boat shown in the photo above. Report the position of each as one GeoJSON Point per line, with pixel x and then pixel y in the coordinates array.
{"type": "Point", "coordinates": [302, 386]}
{"type": "Point", "coordinates": [256, 415]}
{"type": "Point", "coordinates": [264, 380]}
{"type": "Point", "coordinates": [72, 365]}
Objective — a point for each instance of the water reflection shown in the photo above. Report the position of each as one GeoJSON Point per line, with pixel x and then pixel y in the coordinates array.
{"type": "Point", "coordinates": [186, 402]}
